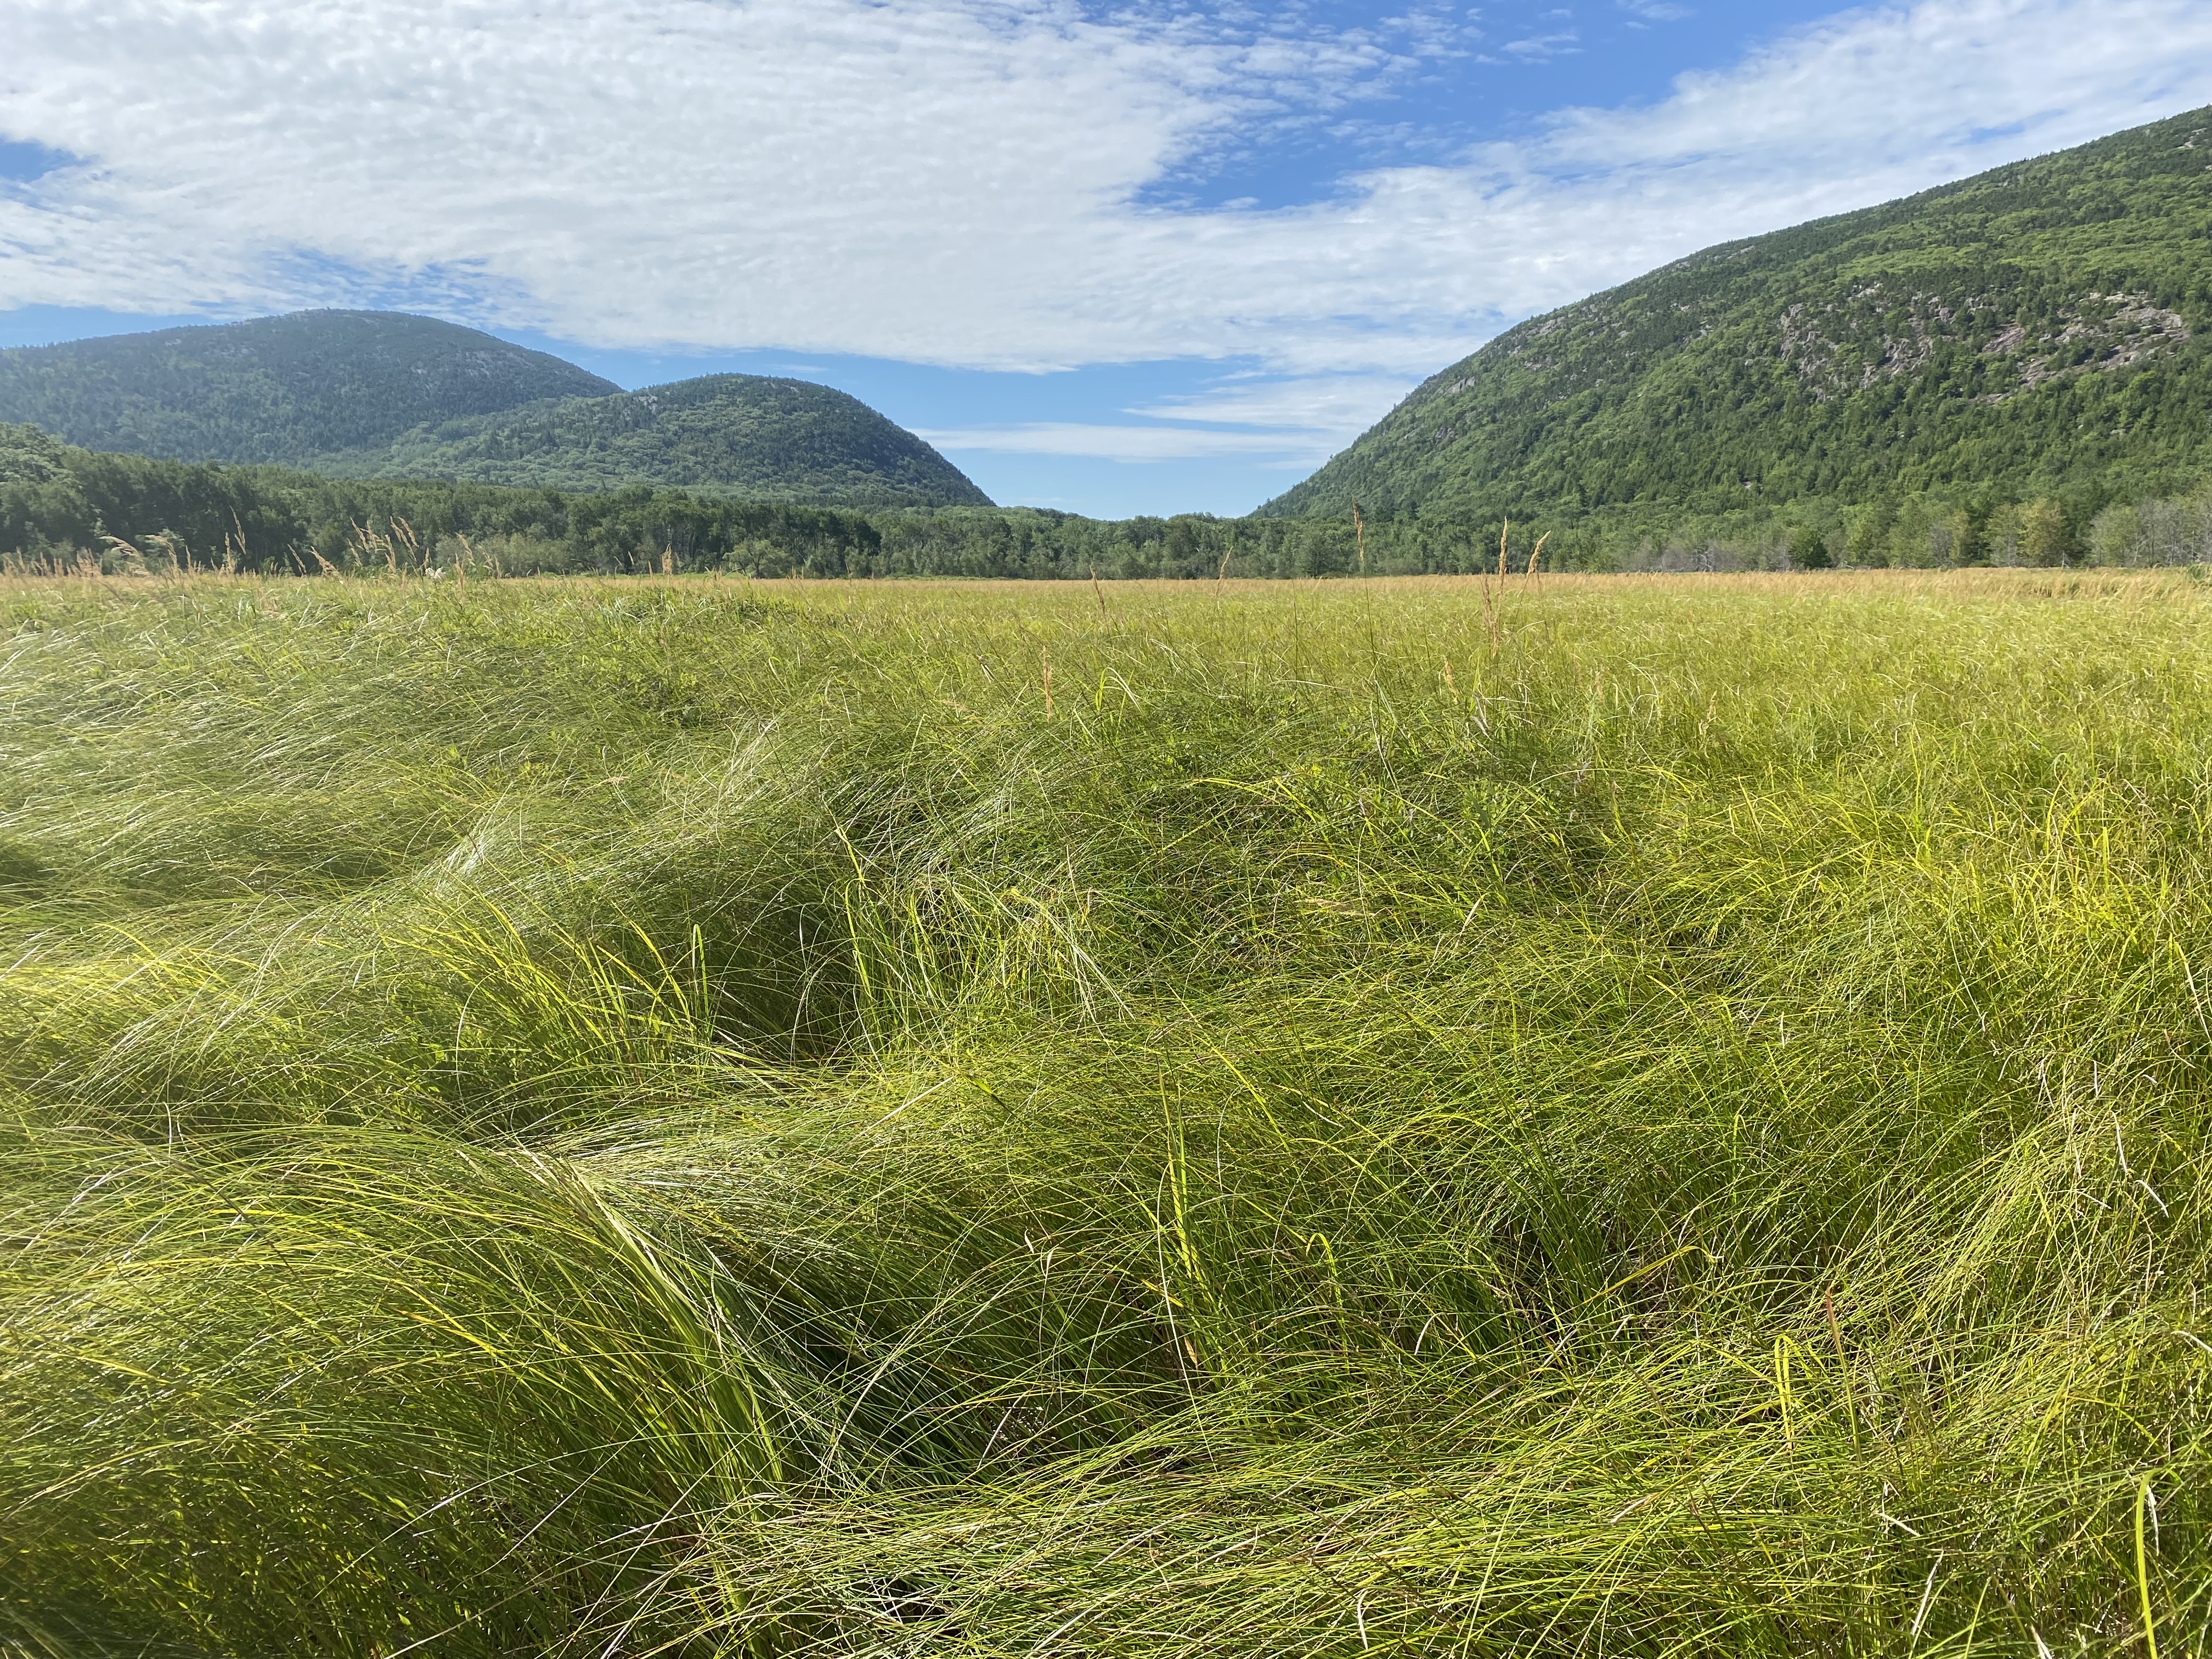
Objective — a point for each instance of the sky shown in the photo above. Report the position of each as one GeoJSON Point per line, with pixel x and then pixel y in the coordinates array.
{"type": "Point", "coordinates": [1109, 258]}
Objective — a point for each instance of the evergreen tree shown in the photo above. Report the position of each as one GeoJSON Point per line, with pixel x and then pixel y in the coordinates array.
{"type": "Point", "coordinates": [1809, 549]}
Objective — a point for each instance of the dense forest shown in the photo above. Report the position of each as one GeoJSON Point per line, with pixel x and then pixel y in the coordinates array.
{"type": "Point", "coordinates": [372, 394]}
{"type": "Point", "coordinates": [743, 434]}
{"type": "Point", "coordinates": [60, 506]}
{"type": "Point", "coordinates": [275, 389]}
{"type": "Point", "coordinates": [2036, 331]}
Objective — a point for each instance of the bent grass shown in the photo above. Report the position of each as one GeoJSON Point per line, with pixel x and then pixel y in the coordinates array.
{"type": "Point", "coordinates": [703, 1117]}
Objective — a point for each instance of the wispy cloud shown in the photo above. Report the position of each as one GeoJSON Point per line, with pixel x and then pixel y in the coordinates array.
{"type": "Point", "coordinates": [1298, 421]}
{"type": "Point", "coordinates": [1538, 47]}
{"type": "Point", "coordinates": [958, 181]}
{"type": "Point", "coordinates": [1130, 443]}
{"type": "Point", "coordinates": [1347, 403]}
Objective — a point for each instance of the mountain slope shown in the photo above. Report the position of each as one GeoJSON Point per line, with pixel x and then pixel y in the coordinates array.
{"type": "Point", "coordinates": [748, 435]}
{"type": "Point", "coordinates": [372, 394]}
{"type": "Point", "coordinates": [276, 389]}
{"type": "Point", "coordinates": [2033, 329]}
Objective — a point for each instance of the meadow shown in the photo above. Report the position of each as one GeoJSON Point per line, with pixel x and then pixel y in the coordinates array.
{"type": "Point", "coordinates": [1596, 1115]}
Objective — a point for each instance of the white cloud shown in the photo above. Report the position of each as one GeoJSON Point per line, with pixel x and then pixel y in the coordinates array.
{"type": "Point", "coordinates": [1130, 443]}
{"type": "Point", "coordinates": [1537, 48]}
{"type": "Point", "coordinates": [1345, 404]}
{"type": "Point", "coordinates": [957, 181]}
{"type": "Point", "coordinates": [1298, 421]}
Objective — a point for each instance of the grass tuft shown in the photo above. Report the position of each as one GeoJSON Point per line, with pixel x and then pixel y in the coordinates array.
{"type": "Point", "coordinates": [595, 1118]}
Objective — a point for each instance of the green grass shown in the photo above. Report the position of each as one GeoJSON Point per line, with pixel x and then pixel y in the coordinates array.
{"type": "Point", "coordinates": [740, 1118]}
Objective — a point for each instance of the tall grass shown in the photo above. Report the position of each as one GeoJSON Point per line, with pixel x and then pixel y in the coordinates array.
{"type": "Point", "coordinates": [721, 1118]}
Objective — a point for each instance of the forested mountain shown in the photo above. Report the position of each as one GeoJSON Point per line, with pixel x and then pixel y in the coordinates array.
{"type": "Point", "coordinates": [2037, 330]}
{"type": "Point", "coordinates": [745, 434]}
{"type": "Point", "coordinates": [276, 389]}
{"type": "Point", "coordinates": [374, 394]}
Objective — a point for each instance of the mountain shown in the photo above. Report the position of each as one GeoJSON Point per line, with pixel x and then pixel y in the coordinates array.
{"type": "Point", "coordinates": [276, 389]}
{"type": "Point", "coordinates": [2039, 329]}
{"type": "Point", "coordinates": [745, 435]}
{"type": "Point", "coordinates": [377, 394]}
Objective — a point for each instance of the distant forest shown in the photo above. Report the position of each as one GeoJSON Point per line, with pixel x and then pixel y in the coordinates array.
{"type": "Point", "coordinates": [60, 507]}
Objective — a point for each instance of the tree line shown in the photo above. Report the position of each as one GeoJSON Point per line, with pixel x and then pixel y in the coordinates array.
{"type": "Point", "coordinates": [61, 507]}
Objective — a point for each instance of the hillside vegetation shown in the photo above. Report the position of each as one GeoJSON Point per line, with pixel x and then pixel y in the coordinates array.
{"type": "Point", "coordinates": [367, 394]}
{"type": "Point", "coordinates": [62, 508]}
{"type": "Point", "coordinates": [741, 435]}
{"type": "Point", "coordinates": [1630, 1118]}
{"type": "Point", "coordinates": [2035, 331]}
{"type": "Point", "coordinates": [276, 389]}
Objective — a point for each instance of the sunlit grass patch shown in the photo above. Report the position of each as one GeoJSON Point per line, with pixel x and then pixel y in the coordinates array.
{"type": "Point", "coordinates": [1665, 1116]}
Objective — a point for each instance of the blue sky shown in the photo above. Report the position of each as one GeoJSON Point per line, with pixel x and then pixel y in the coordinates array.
{"type": "Point", "coordinates": [1136, 258]}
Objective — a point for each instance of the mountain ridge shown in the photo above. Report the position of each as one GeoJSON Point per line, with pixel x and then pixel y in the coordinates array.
{"type": "Point", "coordinates": [368, 395]}
{"type": "Point", "coordinates": [764, 437]}
{"type": "Point", "coordinates": [274, 390]}
{"type": "Point", "coordinates": [2040, 326]}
